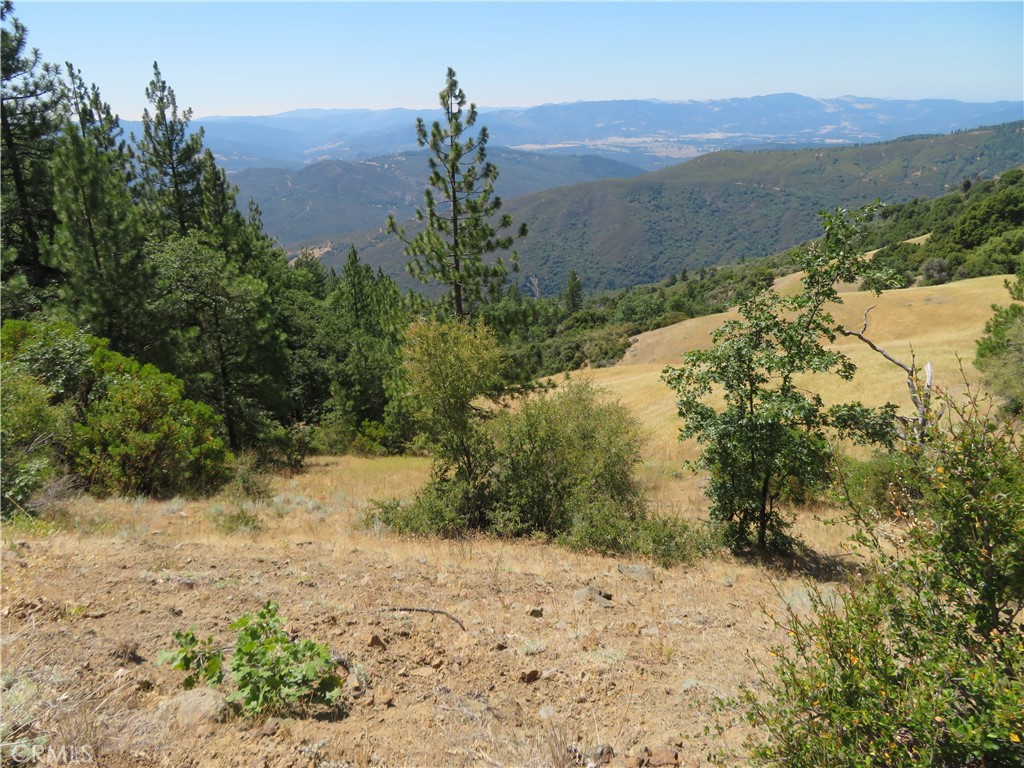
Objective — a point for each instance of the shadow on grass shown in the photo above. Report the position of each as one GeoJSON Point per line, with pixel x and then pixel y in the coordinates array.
{"type": "Point", "coordinates": [805, 562]}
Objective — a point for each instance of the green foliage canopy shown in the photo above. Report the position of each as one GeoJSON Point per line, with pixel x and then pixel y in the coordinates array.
{"type": "Point", "coordinates": [773, 432]}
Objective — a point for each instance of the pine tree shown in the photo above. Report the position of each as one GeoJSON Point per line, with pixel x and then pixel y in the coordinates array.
{"type": "Point", "coordinates": [171, 163]}
{"type": "Point", "coordinates": [572, 296]}
{"type": "Point", "coordinates": [98, 239]}
{"type": "Point", "coordinates": [368, 319]}
{"type": "Point", "coordinates": [31, 109]}
{"type": "Point", "coordinates": [459, 205]}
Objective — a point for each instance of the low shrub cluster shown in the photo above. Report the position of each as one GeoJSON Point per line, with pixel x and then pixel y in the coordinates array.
{"type": "Point", "coordinates": [70, 405]}
{"type": "Point", "coordinates": [924, 664]}
{"type": "Point", "coordinates": [561, 466]}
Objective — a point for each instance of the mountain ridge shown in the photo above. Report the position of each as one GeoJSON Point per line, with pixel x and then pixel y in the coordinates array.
{"type": "Point", "coordinates": [719, 208]}
{"type": "Point", "coordinates": [649, 133]}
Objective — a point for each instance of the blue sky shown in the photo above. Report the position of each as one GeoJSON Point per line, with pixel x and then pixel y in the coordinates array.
{"type": "Point", "coordinates": [249, 58]}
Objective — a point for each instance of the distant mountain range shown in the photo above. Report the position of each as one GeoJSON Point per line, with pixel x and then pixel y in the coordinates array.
{"type": "Point", "coordinates": [644, 188]}
{"type": "Point", "coordinates": [648, 134]}
{"type": "Point", "coordinates": [718, 208]}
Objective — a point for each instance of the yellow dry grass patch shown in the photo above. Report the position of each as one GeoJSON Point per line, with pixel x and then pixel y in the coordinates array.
{"type": "Point", "coordinates": [935, 324]}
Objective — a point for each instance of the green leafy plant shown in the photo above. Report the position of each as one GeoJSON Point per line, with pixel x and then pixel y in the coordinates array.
{"type": "Point", "coordinates": [272, 673]}
{"type": "Point", "coordinates": [772, 435]}
{"type": "Point", "coordinates": [120, 427]}
{"type": "Point", "coordinates": [29, 428]}
{"type": "Point", "coordinates": [924, 664]}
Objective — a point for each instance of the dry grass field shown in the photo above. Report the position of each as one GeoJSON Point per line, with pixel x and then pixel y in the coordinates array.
{"type": "Point", "coordinates": [89, 599]}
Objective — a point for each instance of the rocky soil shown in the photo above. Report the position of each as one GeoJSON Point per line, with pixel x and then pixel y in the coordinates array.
{"type": "Point", "coordinates": [470, 653]}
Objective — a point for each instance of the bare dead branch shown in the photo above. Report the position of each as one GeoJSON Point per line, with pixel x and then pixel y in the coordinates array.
{"type": "Point", "coordinates": [910, 369]}
{"type": "Point", "coordinates": [426, 610]}
{"type": "Point", "coordinates": [920, 393]}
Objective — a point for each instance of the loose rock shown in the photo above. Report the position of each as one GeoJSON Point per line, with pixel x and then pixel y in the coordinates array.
{"type": "Point", "coordinates": [591, 594]}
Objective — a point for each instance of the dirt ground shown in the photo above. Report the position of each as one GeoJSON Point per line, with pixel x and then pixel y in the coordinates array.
{"type": "Point", "coordinates": [541, 672]}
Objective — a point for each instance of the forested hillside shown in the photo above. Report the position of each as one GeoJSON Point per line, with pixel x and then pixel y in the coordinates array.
{"type": "Point", "coordinates": [718, 208]}
{"type": "Point", "coordinates": [335, 196]}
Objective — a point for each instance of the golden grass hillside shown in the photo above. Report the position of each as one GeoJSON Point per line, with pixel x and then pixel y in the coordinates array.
{"type": "Point", "coordinates": [937, 324]}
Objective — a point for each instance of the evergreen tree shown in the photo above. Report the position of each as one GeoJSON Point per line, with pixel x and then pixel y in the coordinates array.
{"type": "Point", "coordinates": [572, 297]}
{"type": "Point", "coordinates": [311, 364]}
{"type": "Point", "coordinates": [459, 205]}
{"type": "Point", "coordinates": [360, 339]}
{"type": "Point", "coordinates": [1000, 351]}
{"type": "Point", "coordinates": [171, 163]}
{"type": "Point", "coordinates": [215, 329]}
{"type": "Point", "coordinates": [220, 294]}
{"type": "Point", "coordinates": [31, 111]}
{"type": "Point", "coordinates": [98, 240]}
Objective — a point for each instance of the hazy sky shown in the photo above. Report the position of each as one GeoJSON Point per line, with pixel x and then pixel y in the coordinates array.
{"type": "Point", "coordinates": [253, 58]}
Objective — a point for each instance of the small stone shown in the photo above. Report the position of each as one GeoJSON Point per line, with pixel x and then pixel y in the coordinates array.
{"type": "Point", "coordinates": [200, 705]}
{"type": "Point", "coordinates": [638, 572]}
{"type": "Point", "coordinates": [592, 594]}
{"type": "Point", "coordinates": [530, 676]}
{"type": "Point", "coordinates": [376, 642]}
{"type": "Point", "coordinates": [384, 697]}
{"type": "Point", "coordinates": [423, 671]}
{"type": "Point", "coordinates": [663, 757]}
{"type": "Point", "coordinates": [272, 726]}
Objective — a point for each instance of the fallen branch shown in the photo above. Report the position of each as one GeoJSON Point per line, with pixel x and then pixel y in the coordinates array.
{"type": "Point", "coordinates": [426, 610]}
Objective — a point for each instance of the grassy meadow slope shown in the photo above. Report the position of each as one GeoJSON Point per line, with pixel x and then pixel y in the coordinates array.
{"type": "Point", "coordinates": [936, 323]}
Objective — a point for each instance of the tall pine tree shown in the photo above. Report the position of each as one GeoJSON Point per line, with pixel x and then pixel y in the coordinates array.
{"type": "Point", "coordinates": [171, 163]}
{"type": "Point", "coordinates": [98, 240]}
{"type": "Point", "coordinates": [31, 111]}
{"type": "Point", "coordinates": [459, 210]}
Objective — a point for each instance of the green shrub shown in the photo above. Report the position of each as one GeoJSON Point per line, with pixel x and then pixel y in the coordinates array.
{"type": "Point", "coordinates": [57, 354]}
{"type": "Point", "coordinates": [273, 674]}
{"type": "Point", "coordinates": [559, 466]}
{"type": "Point", "coordinates": [126, 428]}
{"type": "Point", "coordinates": [563, 456]}
{"type": "Point", "coordinates": [888, 678]}
{"type": "Point", "coordinates": [30, 428]}
{"type": "Point", "coordinates": [670, 541]}
{"type": "Point", "coordinates": [888, 484]}
{"type": "Point", "coordinates": [924, 665]}
{"type": "Point", "coordinates": [442, 508]}
{"type": "Point", "coordinates": [248, 481]}
{"type": "Point", "coordinates": [144, 437]}
{"type": "Point", "coordinates": [243, 519]}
